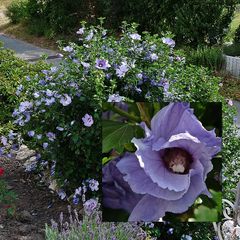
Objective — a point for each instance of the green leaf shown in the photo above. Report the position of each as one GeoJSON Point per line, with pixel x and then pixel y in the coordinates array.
{"type": "Point", "coordinates": [116, 135]}
{"type": "Point", "coordinates": [106, 160]}
{"type": "Point", "coordinates": [205, 214]}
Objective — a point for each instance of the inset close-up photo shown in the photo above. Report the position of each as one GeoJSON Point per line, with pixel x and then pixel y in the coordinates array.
{"type": "Point", "coordinates": [162, 162]}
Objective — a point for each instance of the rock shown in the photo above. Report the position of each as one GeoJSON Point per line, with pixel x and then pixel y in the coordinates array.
{"type": "Point", "coordinates": [26, 229]}
{"type": "Point", "coordinates": [25, 216]}
{"type": "Point", "coordinates": [23, 155]}
{"type": "Point", "coordinates": [30, 162]}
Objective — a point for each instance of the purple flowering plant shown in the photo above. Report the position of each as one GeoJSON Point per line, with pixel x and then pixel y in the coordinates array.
{"type": "Point", "coordinates": [166, 164]}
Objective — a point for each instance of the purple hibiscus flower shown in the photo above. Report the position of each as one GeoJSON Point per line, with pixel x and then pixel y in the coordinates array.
{"type": "Point", "coordinates": [115, 98]}
{"type": "Point", "coordinates": [122, 70]}
{"type": "Point", "coordinates": [87, 120]}
{"type": "Point", "coordinates": [170, 42]}
{"type": "Point", "coordinates": [51, 136]}
{"type": "Point", "coordinates": [135, 36]}
{"type": "Point", "coordinates": [168, 170]}
{"type": "Point", "coordinates": [102, 64]}
{"type": "Point", "coordinates": [65, 100]}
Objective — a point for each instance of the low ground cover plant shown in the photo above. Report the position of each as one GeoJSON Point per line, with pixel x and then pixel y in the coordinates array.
{"type": "Point", "coordinates": [7, 197]}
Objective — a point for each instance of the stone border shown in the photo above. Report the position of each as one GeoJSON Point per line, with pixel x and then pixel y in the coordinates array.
{"type": "Point", "coordinates": [232, 65]}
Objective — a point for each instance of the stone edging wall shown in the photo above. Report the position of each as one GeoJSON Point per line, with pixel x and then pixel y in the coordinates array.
{"type": "Point", "coordinates": [232, 65]}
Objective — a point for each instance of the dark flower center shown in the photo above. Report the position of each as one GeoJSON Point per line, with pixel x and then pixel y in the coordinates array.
{"type": "Point", "coordinates": [177, 160]}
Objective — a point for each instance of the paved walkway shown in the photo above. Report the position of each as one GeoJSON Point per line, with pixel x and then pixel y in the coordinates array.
{"type": "Point", "coordinates": [28, 51]}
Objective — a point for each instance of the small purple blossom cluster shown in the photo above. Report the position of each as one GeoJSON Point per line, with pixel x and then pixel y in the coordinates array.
{"type": "Point", "coordinates": [133, 62]}
{"type": "Point", "coordinates": [80, 192]}
{"type": "Point", "coordinates": [8, 144]}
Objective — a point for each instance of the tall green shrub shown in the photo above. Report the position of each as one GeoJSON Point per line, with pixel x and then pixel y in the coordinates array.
{"type": "Point", "coordinates": [193, 22]}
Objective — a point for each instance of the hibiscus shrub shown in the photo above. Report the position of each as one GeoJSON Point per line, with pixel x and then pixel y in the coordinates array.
{"type": "Point", "coordinates": [59, 104]}
{"type": "Point", "coordinates": [150, 179]}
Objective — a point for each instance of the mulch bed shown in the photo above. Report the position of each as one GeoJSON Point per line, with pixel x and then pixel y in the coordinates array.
{"type": "Point", "coordinates": [35, 205]}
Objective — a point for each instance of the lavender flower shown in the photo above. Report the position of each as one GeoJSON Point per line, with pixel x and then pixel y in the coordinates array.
{"type": "Point", "coordinates": [12, 135]}
{"type": "Point", "coordinates": [60, 129]}
{"type": "Point", "coordinates": [61, 193]}
{"type": "Point", "coordinates": [115, 98]}
{"type": "Point", "coordinates": [102, 64]}
{"type": "Point", "coordinates": [170, 231]}
{"type": "Point", "coordinates": [168, 170]}
{"type": "Point", "coordinates": [67, 49]}
{"type": "Point", "coordinates": [135, 36]}
{"type": "Point", "coordinates": [39, 136]}
{"type": "Point", "coordinates": [122, 70]}
{"type": "Point", "coordinates": [89, 36]}
{"type": "Point", "coordinates": [81, 31]}
{"type": "Point", "coordinates": [4, 141]}
{"type": "Point", "coordinates": [75, 200]}
{"type": "Point", "coordinates": [19, 89]}
{"type": "Point", "coordinates": [170, 42]}
{"type": "Point", "coordinates": [93, 184]}
{"type": "Point", "coordinates": [153, 56]}
{"type": "Point", "coordinates": [49, 101]}
{"type": "Point", "coordinates": [51, 136]}
{"type": "Point", "coordinates": [87, 120]}
{"type": "Point", "coordinates": [65, 100]}
{"type": "Point", "coordinates": [186, 237]}
{"type": "Point", "coordinates": [36, 94]}
{"type": "Point", "coordinates": [45, 145]}
{"type": "Point", "coordinates": [24, 106]}
{"type": "Point", "coordinates": [85, 64]}
{"type": "Point", "coordinates": [90, 205]}
{"type": "Point", "coordinates": [31, 133]}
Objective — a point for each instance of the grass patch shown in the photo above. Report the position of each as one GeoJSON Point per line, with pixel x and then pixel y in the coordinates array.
{"type": "Point", "coordinates": [234, 25]}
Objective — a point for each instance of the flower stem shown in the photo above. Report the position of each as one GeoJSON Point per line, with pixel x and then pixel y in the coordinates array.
{"type": "Point", "coordinates": [124, 114]}
{"type": "Point", "coordinates": [144, 114]}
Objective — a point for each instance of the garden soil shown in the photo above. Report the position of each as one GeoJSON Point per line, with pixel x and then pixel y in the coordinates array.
{"type": "Point", "coordinates": [35, 205]}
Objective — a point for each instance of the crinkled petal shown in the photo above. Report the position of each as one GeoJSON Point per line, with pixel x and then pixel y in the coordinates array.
{"type": "Point", "coordinates": [140, 182]}
{"type": "Point", "coordinates": [146, 129]}
{"type": "Point", "coordinates": [116, 192]}
{"type": "Point", "coordinates": [150, 208]}
{"type": "Point", "coordinates": [155, 168]}
{"type": "Point", "coordinates": [178, 118]}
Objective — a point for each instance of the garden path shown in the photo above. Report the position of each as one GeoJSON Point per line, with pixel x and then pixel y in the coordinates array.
{"type": "Point", "coordinates": [35, 204]}
{"type": "Point", "coordinates": [27, 51]}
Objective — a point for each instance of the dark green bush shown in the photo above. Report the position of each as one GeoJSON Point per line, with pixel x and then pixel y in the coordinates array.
{"type": "Point", "coordinates": [232, 50]}
{"type": "Point", "coordinates": [192, 22]}
{"type": "Point", "coordinates": [60, 16]}
{"type": "Point", "coordinates": [210, 57]}
{"type": "Point", "coordinates": [17, 11]}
